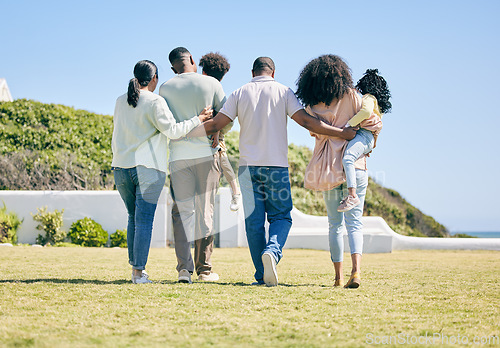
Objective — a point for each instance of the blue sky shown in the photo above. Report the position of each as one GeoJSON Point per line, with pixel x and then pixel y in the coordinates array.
{"type": "Point", "coordinates": [439, 145]}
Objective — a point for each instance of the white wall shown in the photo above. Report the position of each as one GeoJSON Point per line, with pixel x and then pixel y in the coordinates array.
{"type": "Point", "coordinates": [308, 232]}
{"type": "Point", "coordinates": [105, 207]}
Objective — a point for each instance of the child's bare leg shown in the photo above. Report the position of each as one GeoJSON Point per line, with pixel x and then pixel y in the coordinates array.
{"type": "Point", "coordinates": [235, 190]}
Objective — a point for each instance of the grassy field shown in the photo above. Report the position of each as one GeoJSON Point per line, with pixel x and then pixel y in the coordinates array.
{"type": "Point", "coordinates": [77, 297]}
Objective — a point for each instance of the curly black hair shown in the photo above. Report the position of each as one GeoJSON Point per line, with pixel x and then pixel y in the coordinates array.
{"type": "Point", "coordinates": [324, 79]}
{"type": "Point", "coordinates": [376, 85]}
{"type": "Point", "coordinates": [215, 65]}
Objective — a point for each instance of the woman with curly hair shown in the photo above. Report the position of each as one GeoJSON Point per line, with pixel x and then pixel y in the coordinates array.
{"type": "Point", "coordinates": [376, 102]}
{"type": "Point", "coordinates": [326, 88]}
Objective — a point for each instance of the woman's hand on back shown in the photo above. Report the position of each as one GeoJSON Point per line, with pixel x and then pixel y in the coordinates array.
{"type": "Point", "coordinates": [206, 114]}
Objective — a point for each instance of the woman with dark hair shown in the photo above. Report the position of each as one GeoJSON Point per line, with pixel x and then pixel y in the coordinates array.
{"type": "Point", "coordinates": [142, 125]}
{"type": "Point", "coordinates": [326, 88]}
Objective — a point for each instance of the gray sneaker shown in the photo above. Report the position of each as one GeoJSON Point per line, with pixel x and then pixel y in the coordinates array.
{"type": "Point", "coordinates": [348, 203]}
{"type": "Point", "coordinates": [270, 274]}
{"type": "Point", "coordinates": [184, 276]}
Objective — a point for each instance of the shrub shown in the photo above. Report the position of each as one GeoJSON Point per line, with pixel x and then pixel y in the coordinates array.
{"type": "Point", "coordinates": [87, 232]}
{"type": "Point", "coordinates": [53, 147]}
{"type": "Point", "coordinates": [9, 224]}
{"type": "Point", "coordinates": [51, 223]}
{"type": "Point", "coordinates": [119, 239]}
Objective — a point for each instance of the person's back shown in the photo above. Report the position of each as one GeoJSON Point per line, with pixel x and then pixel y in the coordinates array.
{"type": "Point", "coordinates": [135, 133]}
{"type": "Point", "coordinates": [262, 108]}
{"type": "Point", "coordinates": [187, 93]}
{"type": "Point", "coordinates": [194, 168]}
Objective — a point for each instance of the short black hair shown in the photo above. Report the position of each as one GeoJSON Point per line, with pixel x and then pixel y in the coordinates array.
{"type": "Point", "coordinates": [178, 53]}
{"type": "Point", "coordinates": [262, 64]}
{"type": "Point", "coordinates": [373, 83]}
{"type": "Point", "coordinates": [324, 79]}
{"type": "Point", "coordinates": [215, 65]}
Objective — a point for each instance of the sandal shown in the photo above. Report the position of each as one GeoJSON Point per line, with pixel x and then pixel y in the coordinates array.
{"type": "Point", "coordinates": [354, 281]}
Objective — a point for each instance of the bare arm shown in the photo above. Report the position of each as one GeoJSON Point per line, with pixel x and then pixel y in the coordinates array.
{"type": "Point", "coordinates": [317, 126]}
{"type": "Point", "coordinates": [210, 127]}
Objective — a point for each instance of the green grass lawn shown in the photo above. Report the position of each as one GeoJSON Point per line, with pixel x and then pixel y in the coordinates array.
{"type": "Point", "coordinates": [67, 297]}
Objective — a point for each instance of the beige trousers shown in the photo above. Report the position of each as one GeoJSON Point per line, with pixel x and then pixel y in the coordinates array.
{"type": "Point", "coordinates": [226, 167]}
{"type": "Point", "coordinates": [193, 184]}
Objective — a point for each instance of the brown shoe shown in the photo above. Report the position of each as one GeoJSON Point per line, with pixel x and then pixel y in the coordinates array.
{"type": "Point", "coordinates": [354, 281]}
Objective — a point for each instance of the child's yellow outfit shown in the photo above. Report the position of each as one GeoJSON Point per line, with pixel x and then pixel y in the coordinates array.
{"type": "Point", "coordinates": [369, 119]}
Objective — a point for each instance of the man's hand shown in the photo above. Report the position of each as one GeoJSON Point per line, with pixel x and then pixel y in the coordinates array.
{"type": "Point", "coordinates": [215, 140]}
{"type": "Point", "coordinates": [348, 133]}
{"type": "Point", "coordinates": [317, 126]}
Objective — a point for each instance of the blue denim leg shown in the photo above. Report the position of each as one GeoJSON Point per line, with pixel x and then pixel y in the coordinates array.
{"type": "Point", "coordinates": [352, 219]}
{"type": "Point", "coordinates": [335, 223]}
{"type": "Point", "coordinates": [140, 188]}
{"type": "Point", "coordinates": [278, 208]}
{"type": "Point", "coordinates": [265, 190]}
{"type": "Point", "coordinates": [125, 181]}
{"type": "Point", "coordinates": [361, 144]}
{"type": "Point", "coordinates": [252, 194]}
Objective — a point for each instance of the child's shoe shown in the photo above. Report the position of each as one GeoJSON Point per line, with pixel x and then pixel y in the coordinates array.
{"type": "Point", "coordinates": [235, 202]}
{"type": "Point", "coordinates": [339, 283]}
{"type": "Point", "coordinates": [348, 203]}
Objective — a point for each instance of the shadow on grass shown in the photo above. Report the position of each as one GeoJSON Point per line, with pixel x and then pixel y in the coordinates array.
{"type": "Point", "coordinates": [65, 281]}
{"type": "Point", "coordinates": [262, 285]}
{"type": "Point", "coordinates": [126, 281]}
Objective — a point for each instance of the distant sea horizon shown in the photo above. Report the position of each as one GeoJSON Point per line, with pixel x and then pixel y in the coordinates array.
{"type": "Point", "coordinates": [478, 234]}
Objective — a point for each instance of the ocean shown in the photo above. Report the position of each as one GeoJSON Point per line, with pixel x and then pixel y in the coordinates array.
{"type": "Point", "coordinates": [480, 234]}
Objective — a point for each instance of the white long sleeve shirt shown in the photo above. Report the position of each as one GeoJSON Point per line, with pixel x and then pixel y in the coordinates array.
{"type": "Point", "coordinates": [140, 134]}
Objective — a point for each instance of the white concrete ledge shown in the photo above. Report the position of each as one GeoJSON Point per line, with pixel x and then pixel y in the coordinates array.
{"type": "Point", "coordinates": [308, 232]}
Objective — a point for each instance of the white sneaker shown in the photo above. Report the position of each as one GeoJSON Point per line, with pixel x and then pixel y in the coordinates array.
{"type": "Point", "coordinates": [142, 279]}
{"type": "Point", "coordinates": [208, 277]}
{"type": "Point", "coordinates": [235, 202]}
{"type": "Point", "coordinates": [270, 274]}
{"type": "Point", "coordinates": [184, 276]}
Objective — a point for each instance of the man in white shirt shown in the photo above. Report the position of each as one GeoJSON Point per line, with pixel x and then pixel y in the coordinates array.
{"type": "Point", "coordinates": [194, 167]}
{"type": "Point", "coordinates": [262, 106]}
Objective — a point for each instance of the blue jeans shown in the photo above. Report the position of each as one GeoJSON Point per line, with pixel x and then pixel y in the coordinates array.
{"type": "Point", "coordinates": [352, 218]}
{"type": "Point", "coordinates": [266, 190]}
{"type": "Point", "coordinates": [140, 188]}
{"type": "Point", "coordinates": [360, 145]}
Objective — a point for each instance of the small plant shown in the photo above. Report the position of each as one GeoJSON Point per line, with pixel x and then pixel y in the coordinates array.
{"type": "Point", "coordinates": [9, 224]}
{"type": "Point", "coordinates": [119, 239]}
{"type": "Point", "coordinates": [51, 223]}
{"type": "Point", "coordinates": [87, 232]}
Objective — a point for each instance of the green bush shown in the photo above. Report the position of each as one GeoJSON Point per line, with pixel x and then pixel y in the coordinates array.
{"type": "Point", "coordinates": [87, 232]}
{"type": "Point", "coordinates": [9, 224]}
{"type": "Point", "coordinates": [51, 223]}
{"type": "Point", "coordinates": [119, 239]}
{"type": "Point", "coordinates": [53, 147]}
